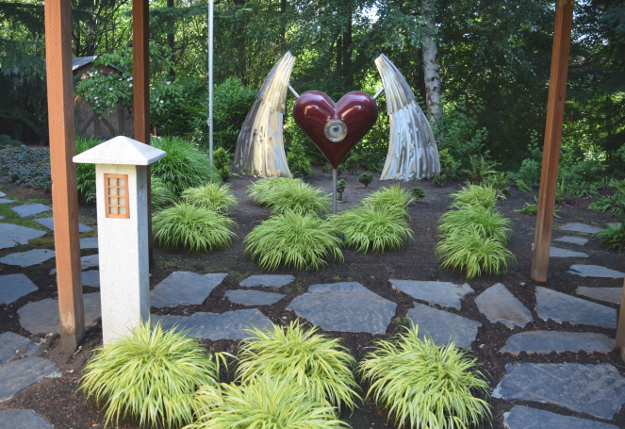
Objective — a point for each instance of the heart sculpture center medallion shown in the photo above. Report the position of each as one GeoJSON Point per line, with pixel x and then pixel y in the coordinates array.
{"type": "Point", "coordinates": [335, 128]}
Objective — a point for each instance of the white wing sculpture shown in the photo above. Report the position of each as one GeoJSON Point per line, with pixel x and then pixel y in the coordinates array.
{"type": "Point", "coordinates": [260, 145]}
{"type": "Point", "coordinates": [412, 151]}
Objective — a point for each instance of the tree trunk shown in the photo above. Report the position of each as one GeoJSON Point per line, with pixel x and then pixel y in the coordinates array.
{"type": "Point", "coordinates": [430, 63]}
{"type": "Point", "coordinates": [171, 43]}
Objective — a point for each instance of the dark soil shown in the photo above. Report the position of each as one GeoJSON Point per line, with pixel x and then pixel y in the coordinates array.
{"type": "Point", "coordinates": [57, 401]}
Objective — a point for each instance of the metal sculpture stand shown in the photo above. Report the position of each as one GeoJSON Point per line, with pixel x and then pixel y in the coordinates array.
{"type": "Point", "coordinates": [335, 191]}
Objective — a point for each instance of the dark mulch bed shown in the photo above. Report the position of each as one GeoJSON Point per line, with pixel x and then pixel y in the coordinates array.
{"type": "Point", "coordinates": [57, 401]}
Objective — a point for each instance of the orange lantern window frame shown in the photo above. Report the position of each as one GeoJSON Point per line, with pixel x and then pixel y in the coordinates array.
{"type": "Point", "coordinates": [116, 196]}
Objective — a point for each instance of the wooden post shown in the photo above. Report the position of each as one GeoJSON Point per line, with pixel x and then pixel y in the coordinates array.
{"type": "Point", "coordinates": [141, 70]}
{"type": "Point", "coordinates": [620, 327]}
{"type": "Point", "coordinates": [58, 27]}
{"type": "Point", "coordinates": [553, 138]}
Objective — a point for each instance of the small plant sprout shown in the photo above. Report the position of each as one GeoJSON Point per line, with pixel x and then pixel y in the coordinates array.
{"type": "Point", "coordinates": [301, 357]}
{"type": "Point", "coordinates": [365, 179]}
{"type": "Point", "coordinates": [211, 196]}
{"type": "Point", "coordinates": [417, 193]}
{"type": "Point", "coordinates": [150, 375]}
{"type": "Point", "coordinates": [424, 385]}
{"type": "Point", "coordinates": [340, 188]}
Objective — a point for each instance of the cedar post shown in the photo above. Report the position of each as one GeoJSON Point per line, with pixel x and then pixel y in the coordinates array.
{"type": "Point", "coordinates": [58, 27]}
{"type": "Point", "coordinates": [553, 138]}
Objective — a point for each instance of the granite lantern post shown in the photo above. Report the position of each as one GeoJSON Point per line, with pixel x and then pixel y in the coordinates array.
{"type": "Point", "coordinates": [123, 239]}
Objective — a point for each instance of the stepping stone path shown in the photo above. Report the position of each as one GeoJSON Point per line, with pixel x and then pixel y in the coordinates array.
{"type": "Point", "coordinates": [14, 286]}
{"type": "Point", "coordinates": [231, 325]}
{"type": "Point", "coordinates": [267, 280]}
{"type": "Point", "coordinates": [19, 374]}
{"type": "Point", "coordinates": [91, 278]}
{"type": "Point", "coordinates": [561, 307]}
{"type": "Point", "coordinates": [545, 342]}
{"type": "Point", "coordinates": [13, 346]}
{"type": "Point", "coordinates": [595, 271]}
{"type": "Point", "coordinates": [5, 201]}
{"type": "Point", "coordinates": [253, 297]}
{"type": "Point", "coordinates": [572, 240]}
{"type": "Point", "coordinates": [42, 317]}
{"type": "Point", "coordinates": [27, 259]}
{"type": "Point", "coordinates": [605, 294]}
{"type": "Point", "coordinates": [86, 262]}
{"type": "Point", "coordinates": [30, 209]}
{"type": "Point", "coordinates": [521, 417]}
{"type": "Point", "coordinates": [499, 305]}
{"type": "Point", "coordinates": [344, 307]}
{"type": "Point", "coordinates": [89, 243]}
{"type": "Point", "coordinates": [614, 224]}
{"type": "Point", "coordinates": [444, 294]}
{"type": "Point", "coordinates": [580, 227]}
{"type": "Point", "coordinates": [557, 252]}
{"type": "Point", "coordinates": [598, 390]}
{"type": "Point", "coordinates": [48, 222]}
{"type": "Point", "coordinates": [444, 327]}
{"type": "Point", "coordinates": [12, 235]}
{"type": "Point", "coordinates": [22, 419]}
{"type": "Point", "coordinates": [184, 288]}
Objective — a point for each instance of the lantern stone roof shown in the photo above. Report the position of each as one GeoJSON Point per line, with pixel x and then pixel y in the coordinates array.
{"type": "Point", "coordinates": [120, 150]}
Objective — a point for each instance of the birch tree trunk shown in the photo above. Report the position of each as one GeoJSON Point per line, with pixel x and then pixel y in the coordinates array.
{"type": "Point", "coordinates": [430, 63]}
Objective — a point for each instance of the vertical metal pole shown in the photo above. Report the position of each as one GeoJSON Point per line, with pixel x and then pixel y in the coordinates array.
{"type": "Point", "coordinates": [334, 193]}
{"type": "Point", "coordinates": [210, 81]}
{"type": "Point", "coordinates": [58, 25]}
{"type": "Point", "coordinates": [553, 138]}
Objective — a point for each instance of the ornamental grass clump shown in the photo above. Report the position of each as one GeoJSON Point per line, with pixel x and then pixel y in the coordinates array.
{"type": "Point", "coordinates": [487, 223]}
{"type": "Point", "coordinates": [390, 198]}
{"type": "Point", "coordinates": [196, 229]}
{"type": "Point", "coordinates": [264, 403]}
{"type": "Point", "coordinates": [369, 229]}
{"type": "Point", "coordinates": [425, 386]}
{"type": "Point", "coordinates": [161, 194]}
{"type": "Point", "coordinates": [150, 375]}
{"type": "Point", "coordinates": [211, 196]}
{"type": "Point", "coordinates": [475, 196]}
{"type": "Point", "coordinates": [301, 241]}
{"type": "Point", "coordinates": [319, 365]}
{"type": "Point", "coordinates": [281, 195]}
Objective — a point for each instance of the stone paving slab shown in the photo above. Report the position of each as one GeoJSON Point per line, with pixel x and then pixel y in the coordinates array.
{"type": "Point", "coordinates": [12, 235]}
{"type": "Point", "coordinates": [42, 317]}
{"type": "Point", "coordinates": [253, 297]}
{"type": "Point", "coordinates": [30, 209]}
{"type": "Point", "coordinates": [572, 240]}
{"type": "Point", "coordinates": [544, 342]}
{"type": "Point", "coordinates": [14, 346]}
{"type": "Point", "coordinates": [598, 390]}
{"type": "Point", "coordinates": [22, 419]}
{"type": "Point", "coordinates": [267, 280]}
{"type": "Point", "coordinates": [19, 374]}
{"type": "Point", "coordinates": [558, 252]}
{"type": "Point", "coordinates": [580, 227]}
{"type": "Point", "coordinates": [499, 305]}
{"type": "Point", "coordinates": [184, 288]}
{"type": "Point", "coordinates": [614, 224]}
{"type": "Point", "coordinates": [230, 325]}
{"type": "Point", "coordinates": [86, 262]}
{"type": "Point", "coordinates": [561, 307]}
{"type": "Point", "coordinates": [521, 417]}
{"type": "Point", "coordinates": [89, 243]}
{"type": "Point", "coordinates": [48, 222]}
{"type": "Point", "coordinates": [29, 258]}
{"type": "Point", "coordinates": [605, 294]}
{"type": "Point", "coordinates": [445, 294]}
{"type": "Point", "coordinates": [91, 278]}
{"type": "Point", "coordinates": [444, 327]}
{"type": "Point", "coordinates": [595, 271]}
{"type": "Point", "coordinates": [6, 201]}
{"type": "Point", "coordinates": [2, 194]}
{"type": "Point", "coordinates": [15, 286]}
{"type": "Point", "coordinates": [344, 307]}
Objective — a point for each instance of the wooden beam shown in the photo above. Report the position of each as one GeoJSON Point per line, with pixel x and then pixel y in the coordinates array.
{"type": "Point", "coordinates": [58, 27]}
{"type": "Point", "coordinates": [141, 69]}
{"type": "Point", "coordinates": [620, 327]}
{"type": "Point", "coordinates": [553, 138]}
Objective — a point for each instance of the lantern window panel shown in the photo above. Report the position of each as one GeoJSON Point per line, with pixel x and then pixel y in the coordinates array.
{"type": "Point", "coordinates": [116, 193]}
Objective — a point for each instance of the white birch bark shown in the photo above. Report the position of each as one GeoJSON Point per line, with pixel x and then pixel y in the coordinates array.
{"type": "Point", "coordinates": [430, 63]}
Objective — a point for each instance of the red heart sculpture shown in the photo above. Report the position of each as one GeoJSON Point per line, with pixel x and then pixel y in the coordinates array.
{"type": "Point", "coordinates": [335, 128]}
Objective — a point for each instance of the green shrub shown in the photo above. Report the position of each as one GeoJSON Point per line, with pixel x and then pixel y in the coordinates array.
{"type": "Point", "coordinates": [485, 222]}
{"type": "Point", "coordinates": [26, 166]}
{"type": "Point", "coordinates": [212, 196]}
{"type": "Point", "coordinates": [614, 203]}
{"type": "Point", "coordinates": [424, 385]}
{"type": "Point", "coordinates": [340, 188]}
{"type": "Point", "coordinates": [352, 162]}
{"type": "Point", "coordinates": [298, 162]}
{"type": "Point", "coordinates": [391, 199]}
{"type": "Point", "coordinates": [150, 375]}
{"type": "Point", "coordinates": [475, 196]}
{"type": "Point", "coordinates": [283, 194]}
{"type": "Point", "coordinates": [316, 363]}
{"type": "Point", "coordinates": [369, 229]}
{"type": "Point", "coordinates": [8, 141]}
{"type": "Point", "coordinates": [449, 168]}
{"type": "Point", "coordinates": [264, 403]}
{"type": "Point", "coordinates": [184, 225]}
{"type": "Point", "coordinates": [365, 179]}
{"type": "Point", "coordinates": [613, 237]}
{"type": "Point", "coordinates": [302, 241]}
{"type": "Point", "coordinates": [161, 194]}
{"type": "Point", "coordinates": [85, 173]}
{"type": "Point", "coordinates": [417, 192]}
{"type": "Point", "coordinates": [184, 166]}
{"type": "Point", "coordinates": [221, 161]}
